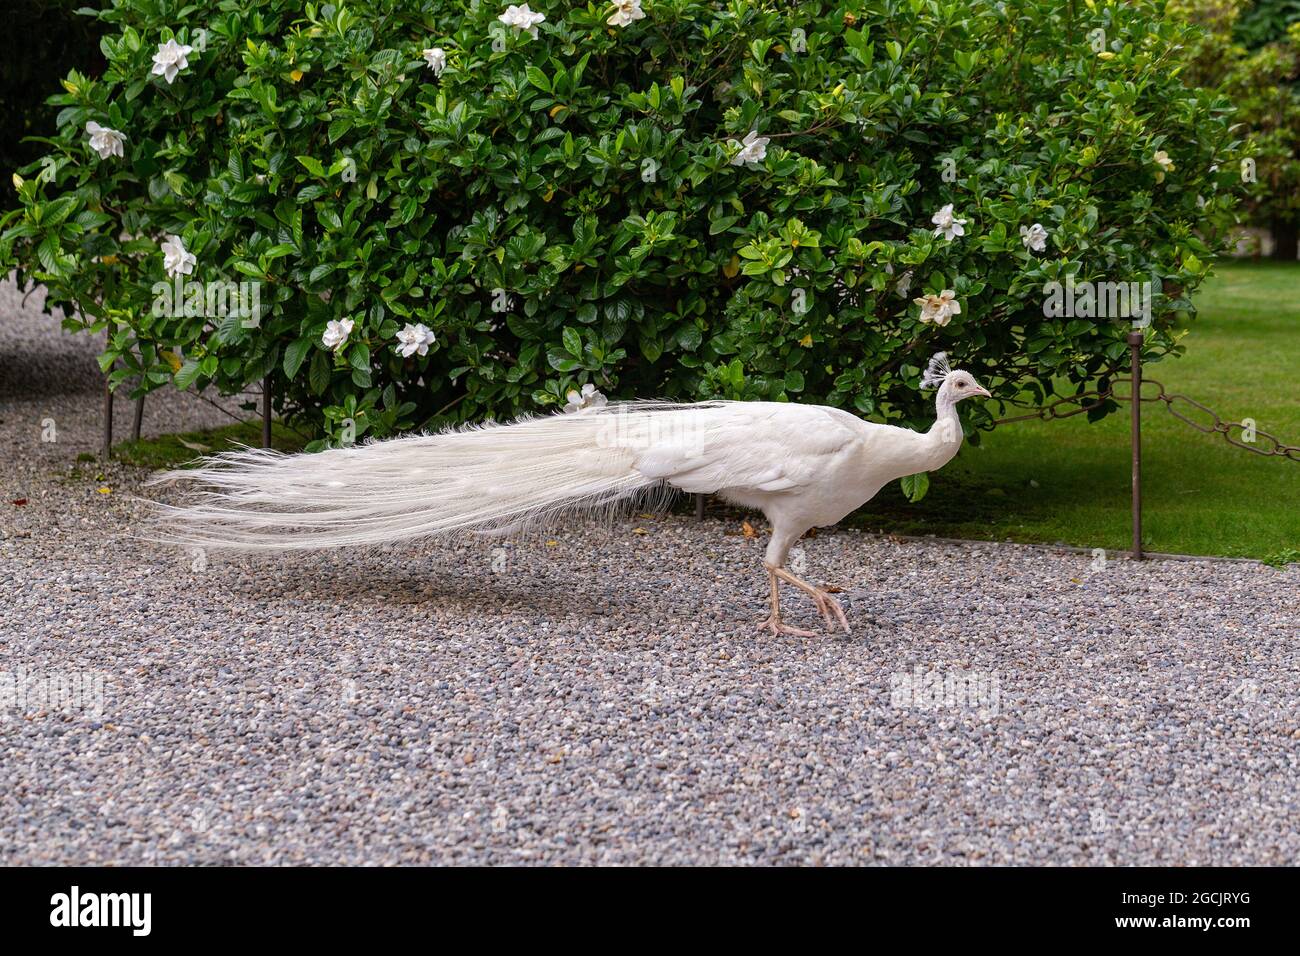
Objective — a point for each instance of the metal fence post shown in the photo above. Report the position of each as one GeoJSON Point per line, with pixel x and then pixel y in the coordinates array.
{"type": "Point", "coordinates": [266, 412]}
{"type": "Point", "coordinates": [1135, 339]}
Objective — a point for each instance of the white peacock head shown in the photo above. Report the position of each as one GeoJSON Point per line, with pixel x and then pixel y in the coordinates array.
{"type": "Point", "coordinates": [955, 382]}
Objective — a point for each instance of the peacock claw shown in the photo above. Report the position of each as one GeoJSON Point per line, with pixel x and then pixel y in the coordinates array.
{"type": "Point", "coordinates": [776, 626]}
{"type": "Point", "coordinates": [829, 608]}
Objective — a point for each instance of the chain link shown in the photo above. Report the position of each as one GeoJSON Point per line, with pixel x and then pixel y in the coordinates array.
{"type": "Point", "coordinates": [1214, 425]}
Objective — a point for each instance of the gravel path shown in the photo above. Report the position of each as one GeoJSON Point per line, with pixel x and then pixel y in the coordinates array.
{"type": "Point", "coordinates": [600, 696]}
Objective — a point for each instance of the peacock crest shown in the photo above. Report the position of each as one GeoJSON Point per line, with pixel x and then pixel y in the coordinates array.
{"type": "Point", "coordinates": [936, 371]}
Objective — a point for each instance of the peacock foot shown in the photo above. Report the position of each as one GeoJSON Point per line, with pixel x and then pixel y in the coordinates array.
{"type": "Point", "coordinates": [774, 625]}
{"type": "Point", "coordinates": [827, 606]}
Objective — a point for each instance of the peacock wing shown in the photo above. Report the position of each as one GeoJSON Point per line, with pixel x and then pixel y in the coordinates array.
{"type": "Point", "coordinates": [764, 446]}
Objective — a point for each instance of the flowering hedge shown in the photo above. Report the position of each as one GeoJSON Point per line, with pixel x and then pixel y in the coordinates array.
{"type": "Point", "coordinates": [445, 211]}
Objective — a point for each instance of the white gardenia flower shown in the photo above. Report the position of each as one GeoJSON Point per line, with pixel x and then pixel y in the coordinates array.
{"type": "Point", "coordinates": [587, 398]}
{"type": "Point", "coordinates": [625, 11]}
{"type": "Point", "coordinates": [521, 18]}
{"type": "Point", "coordinates": [107, 142]}
{"type": "Point", "coordinates": [415, 339]}
{"type": "Point", "coordinates": [1161, 159]}
{"type": "Point", "coordinates": [177, 260]}
{"type": "Point", "coordinates": [1034, 237]}
{"type": "Point", "coordinates": [170, 60]}
{"type": "Point", "coordinates": [940, 308]}
{"type": "Point", "coordinates": [336, 333]}
{"type": "Point", "coordinates": [753, 149]}
{"type": "Point", "coordinates": [436, 57]}
{"type": "Point", "coordinates": [947, 224]}
{"type": "Point", "coordinates": [904, 281]}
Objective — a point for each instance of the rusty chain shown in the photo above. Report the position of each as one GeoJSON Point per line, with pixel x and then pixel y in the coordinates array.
{"type": "Point", "coordinates": [1217, 425]}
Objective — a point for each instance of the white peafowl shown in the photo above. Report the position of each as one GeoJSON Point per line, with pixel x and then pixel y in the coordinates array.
{"type": "Point", "coordinates": [803, 466]}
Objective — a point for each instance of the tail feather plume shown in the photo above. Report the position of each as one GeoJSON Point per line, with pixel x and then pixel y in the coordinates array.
{"type": "Point", "coordinates": [491, 478]}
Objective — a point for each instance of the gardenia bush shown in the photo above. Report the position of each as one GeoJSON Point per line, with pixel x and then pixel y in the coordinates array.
{"type": "Point", "coordinates": [449, 211]}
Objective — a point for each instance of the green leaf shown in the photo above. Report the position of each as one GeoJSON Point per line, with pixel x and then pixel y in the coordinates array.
{"type": "Point", "coordinates": [294, 355]}
{"type": "Point", "coordinates": [312, 165]}
{"type": "Point", "coordinates": [915, 486]}
{"type": "Point", "coordinates": [572, 342]}
{"type": "Point", "coordinates": [319, 373]}
{"type": "Point", "coordinates": [560, 361]}
{"type": "Point", "coordinates": [339, 128]}
{"type": "Point", "coordinates": [59, 210]}
{"type": "Point", "coordinates": [187, 374]}
{"type": "Point", "coordinates": [320, 272]}
{"type": "Point", "coordinates": [538, 78]}
{"type": "Point", "coordinates": [406, 212]}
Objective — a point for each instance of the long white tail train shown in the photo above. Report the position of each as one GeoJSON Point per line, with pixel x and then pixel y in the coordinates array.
{"type": "Point", "coordinates": [487, 478]}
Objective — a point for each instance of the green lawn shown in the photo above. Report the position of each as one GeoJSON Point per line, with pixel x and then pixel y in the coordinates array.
{"type": "Point", "coordinates": [172, 451]}
{"type": "Point", "coordinates": [1068, 481]}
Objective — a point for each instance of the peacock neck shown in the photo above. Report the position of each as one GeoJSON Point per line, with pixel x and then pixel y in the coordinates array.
{"type": "Point", "coordinates": [945, 434]}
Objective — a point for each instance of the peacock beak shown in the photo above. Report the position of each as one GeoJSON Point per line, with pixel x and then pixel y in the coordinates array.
{"type": "Point", "coordinates": [981, 390]}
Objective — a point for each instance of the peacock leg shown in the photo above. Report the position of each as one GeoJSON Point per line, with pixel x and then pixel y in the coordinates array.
{"type": "Point", "coordinates": [829, 607]}
{"type": "Point", "coordinates": [773, 621]}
